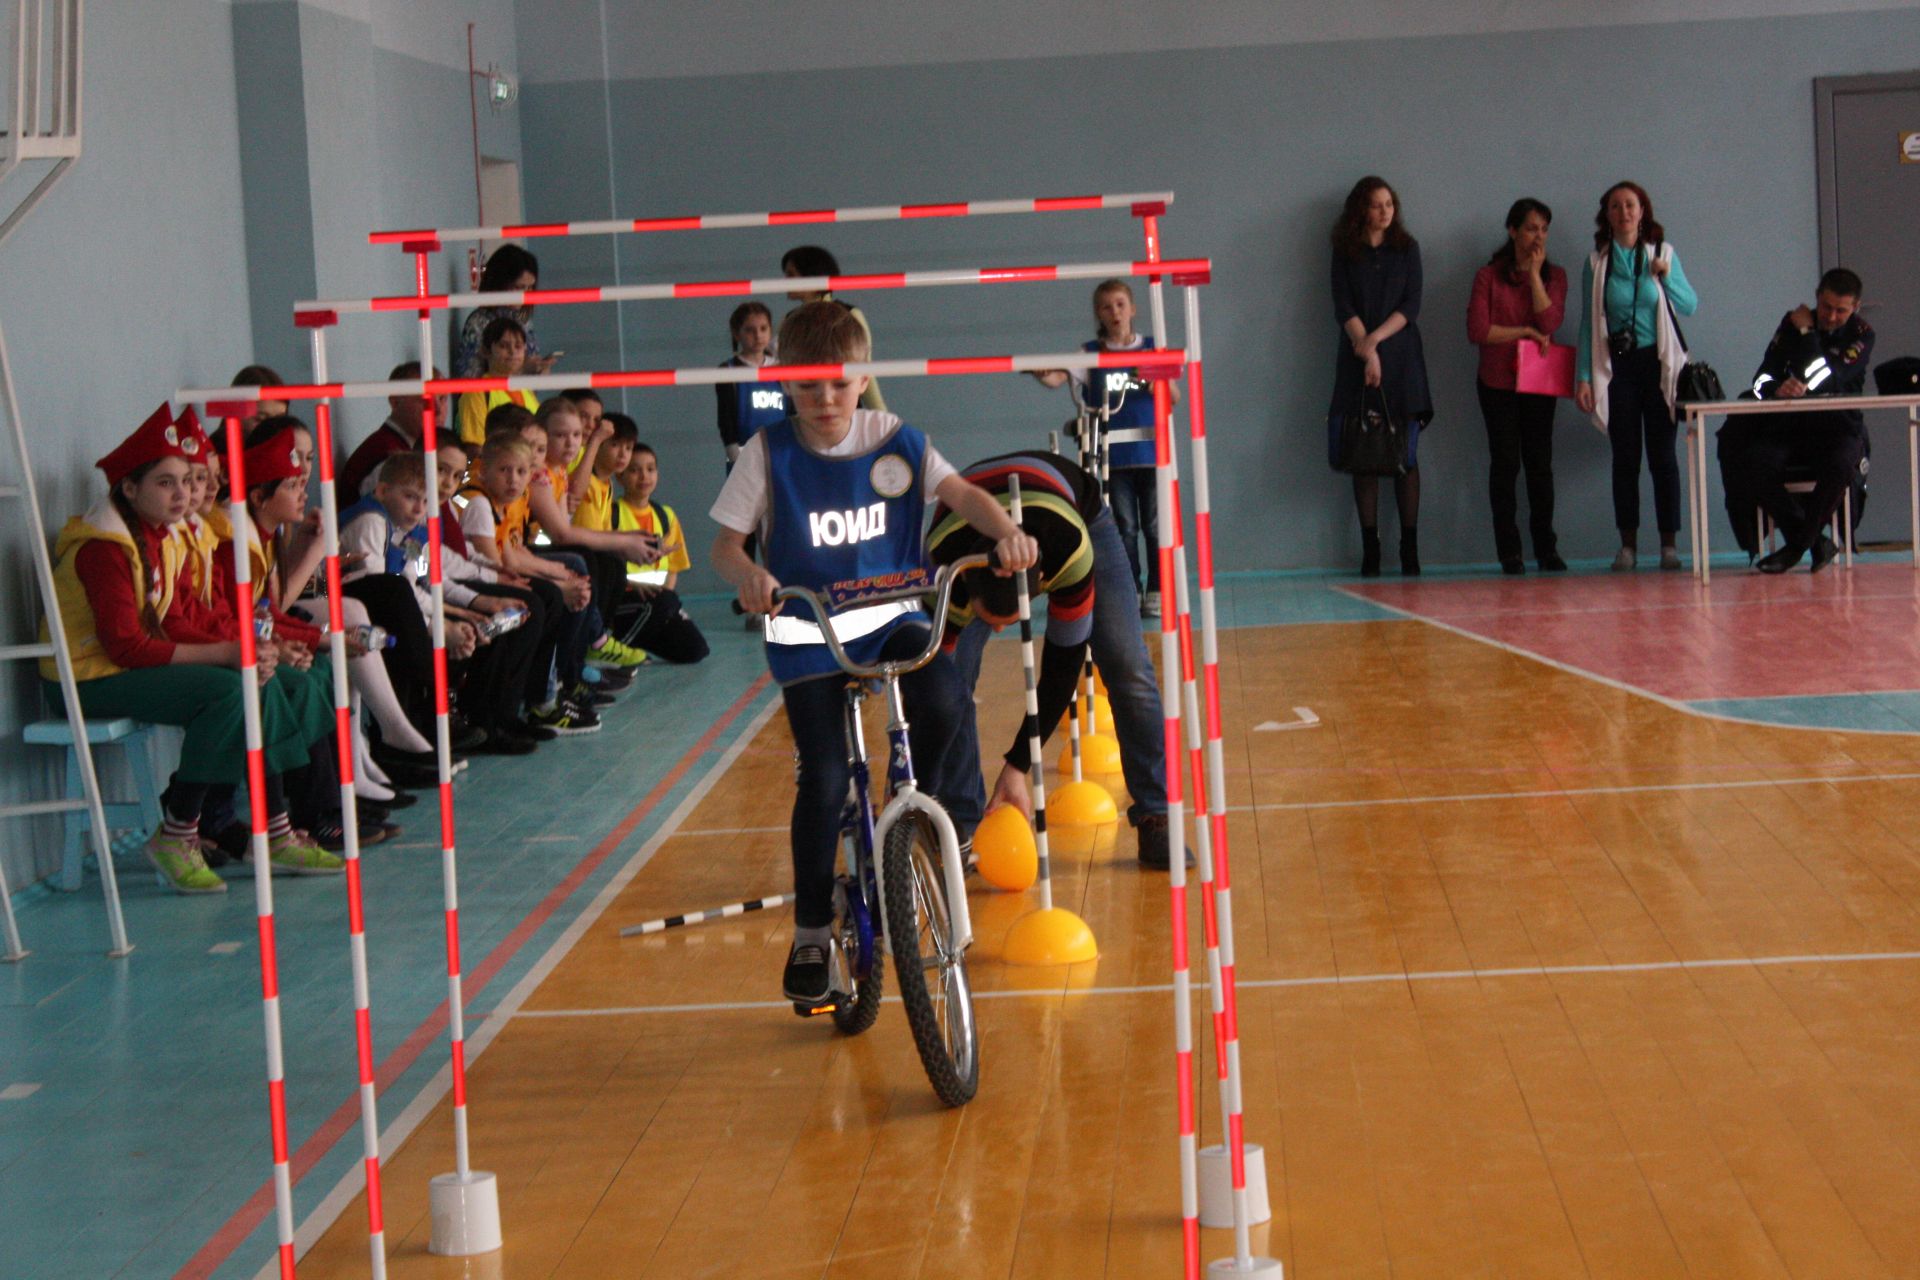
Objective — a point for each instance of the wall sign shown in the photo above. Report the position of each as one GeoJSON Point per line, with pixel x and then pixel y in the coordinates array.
{"type": "Point", "coordinates": [1910, 147]}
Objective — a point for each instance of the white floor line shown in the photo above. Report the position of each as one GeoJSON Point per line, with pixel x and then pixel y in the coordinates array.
{"type": "Point", "coordinates": [1671, 604]}
{"type": "Point", "coordinates": [353, 1182]}
{"type": "Point", "coordinates": [1559, 793]}
{"type": "Point", "coordinates": [1673, 704]}
{"type": "Point", "coordinates": [732, 831]}
{"type": "Point", "coordinates": [1325, 980]}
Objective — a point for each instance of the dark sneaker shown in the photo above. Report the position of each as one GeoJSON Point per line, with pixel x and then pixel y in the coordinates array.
{"type": "Point", "coordinates": [524, 729]}
{"type": "Point", "coordinates": [585, 695]}
{"type": "Point", "coordinates": [1782, 560]}
{"type": "Point", "coordinates": [1823, 553]}
{"type": "Point", "coordinates": [1156, 853]}
{"type": "Point", "coordinates": [463, 736]}
{"type": "Point", "coordinates": [1552, 563]}
{"type": "Point", "coordinates": [567, 720]}
{"type": "Point", "coordinates": [612, 679]}
{"type": "Point", "coordinates": [809, 974]}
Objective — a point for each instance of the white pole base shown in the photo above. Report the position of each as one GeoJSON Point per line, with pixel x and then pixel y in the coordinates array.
{"type": "Point", "coordinates": [1216, 1186]}
{"type": "Point", "coordinates": [1256, 1268]}
{"type": "Point", "coordinates": [466, 1214]}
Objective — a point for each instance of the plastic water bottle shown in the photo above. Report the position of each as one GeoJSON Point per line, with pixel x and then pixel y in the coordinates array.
{"type": "Point", "coordinates": [504, 621]}
{"type": "Point", "coordinates": [262, 622]}
{"type": "Point", "coordinates": [374, 639]}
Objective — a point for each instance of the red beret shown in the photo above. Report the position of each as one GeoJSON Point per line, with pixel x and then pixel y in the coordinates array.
{"type": "Point", "coordinates": [273, 460]}
{"type": "Point", "coordinates": [156, 438]}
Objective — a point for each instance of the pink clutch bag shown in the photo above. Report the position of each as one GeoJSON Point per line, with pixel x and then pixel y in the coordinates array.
{"type": "Point", "coordinates": [1545, 375]}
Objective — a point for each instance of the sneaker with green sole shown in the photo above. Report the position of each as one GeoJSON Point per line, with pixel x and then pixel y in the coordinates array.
{"type": "Point", "coordinates": [178, 860]}
{"type": "Point", "coordinates": [297, 855]}
{"type": "Point", "coordinates": [611, 653]}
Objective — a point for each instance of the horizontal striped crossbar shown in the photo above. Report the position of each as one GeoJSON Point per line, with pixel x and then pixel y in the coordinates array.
{"type": "Point", "coordinates": [1144, 201]}
{"type": "Point", "coordinates": [231, 401]}
{"type": "Point", "coordinates": [324, 311]}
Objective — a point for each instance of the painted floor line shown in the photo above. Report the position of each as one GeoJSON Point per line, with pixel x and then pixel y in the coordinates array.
{"type": "Point", "coordinates": [1325, 980]}
{"type": "Point", "coordinates": [1673, 704]}
{"type": "Point", "coordinates": [1651, 788]}
{"type": "Point", "coordinates": [1669, 604]}
{"type": "Point", "coordinates": [733, 831]}
{"type": "Point", "coordinates": [397, 1131]}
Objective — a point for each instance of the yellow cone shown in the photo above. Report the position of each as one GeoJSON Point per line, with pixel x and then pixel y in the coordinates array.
{"type": "Point", "coordinates": [1008, 856]}
{"type": "Point", "coordinates": [1054, 936]}
{"type": "Point", "coordinates": [1102, 714]}
{"type": "Point", "coordinates": [1080, 804]}
{"type": "Point", "coordinates": [1099, 756]}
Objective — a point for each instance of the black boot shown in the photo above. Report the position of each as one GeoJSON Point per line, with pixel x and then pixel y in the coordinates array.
{"type": "Point", "coordinates": [1369, 552]}
{"type": "Point", "coordinates": [1410, 552]}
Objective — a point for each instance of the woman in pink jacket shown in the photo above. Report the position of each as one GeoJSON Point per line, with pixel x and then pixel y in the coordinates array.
{"type": "Point", "coordinates": [1518, 297]}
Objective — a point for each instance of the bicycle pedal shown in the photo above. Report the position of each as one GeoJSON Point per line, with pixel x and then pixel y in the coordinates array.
{"type": "Point", "coordinates": [832, 1002]}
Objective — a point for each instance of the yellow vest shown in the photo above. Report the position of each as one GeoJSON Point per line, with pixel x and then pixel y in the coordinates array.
{"type": "Point", "coordinates": [673, 541]}
{"type": "Point", "coordinates": [200, 541]}
{"type": "Point", "coordinates": [102, 523]}
{"type": "Point", "coordinates": [470, 415]}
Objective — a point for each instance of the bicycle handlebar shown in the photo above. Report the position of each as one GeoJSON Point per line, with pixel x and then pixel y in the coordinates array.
{"type": "Point", "coordinates": [941, 589]}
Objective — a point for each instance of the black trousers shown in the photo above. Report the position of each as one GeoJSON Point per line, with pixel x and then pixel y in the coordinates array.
{"type": "Point", "coordinates": [1636, 413]}
{"type": "Point", "coordinates": [1519, 435]}
{"type": "Point", "coordinates": [1794, 448]}
{"type": "Point", "coordinates": [659, 624]}
{"type": "Point", "coordinates": [391, 605]}
{"type": "Point", "coordinates": [494, 680]}
{"type": "Point", "coordinates": [937, 703]}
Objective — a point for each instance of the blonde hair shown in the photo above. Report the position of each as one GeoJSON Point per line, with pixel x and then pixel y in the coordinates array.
{"type": "Point", "coordinates": [823, 333]}
{"type": "Point", "coordinates": [551, 409]}
{"type": "Point", "coordinates": [403, 468]}
{"type": "Point", "coordinates": [503, 447]}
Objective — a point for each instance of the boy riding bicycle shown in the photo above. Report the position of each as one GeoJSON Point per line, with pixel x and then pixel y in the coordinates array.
{"type": "Point", "coordinates": [839, 496]}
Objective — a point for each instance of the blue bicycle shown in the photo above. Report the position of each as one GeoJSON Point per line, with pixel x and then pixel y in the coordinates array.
{"type": "Point", "coordinates": [902, 867]}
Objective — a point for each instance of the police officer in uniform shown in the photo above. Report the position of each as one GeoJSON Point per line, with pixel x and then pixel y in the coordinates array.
{"type": "Point", "coordinates": [1822, 350]}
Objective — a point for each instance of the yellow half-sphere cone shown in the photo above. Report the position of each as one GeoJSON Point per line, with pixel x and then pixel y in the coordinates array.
{"type": "Point", "coordinates": [1099, 755]}
{"type": "Point", "coordinates": [1102, 714]}
{"type": "Point", "coordinates": [1009, 859]}
{"type": "Point", "coordinates": [1053, 936]}
{"type": "Point", "coordinates": [1080, 804]}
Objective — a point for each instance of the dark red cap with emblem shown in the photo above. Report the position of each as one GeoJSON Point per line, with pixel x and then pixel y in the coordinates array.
{"type": "Point", "coordinates": [156, 438]}
{"type": "Point", "coordinates": [273, 460]}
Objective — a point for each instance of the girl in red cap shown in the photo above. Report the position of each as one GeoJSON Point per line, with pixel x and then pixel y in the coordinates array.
{"type": "Point", "coordinates": [145, 645]}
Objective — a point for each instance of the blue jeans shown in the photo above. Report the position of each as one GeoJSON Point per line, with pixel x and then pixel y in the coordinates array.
{"type": "Point", "coordinates": [946, 763]}
{"type": "Point", "coordinates": [1120, 652]}
{"type": "Point", "coordinates": [1135, 502]}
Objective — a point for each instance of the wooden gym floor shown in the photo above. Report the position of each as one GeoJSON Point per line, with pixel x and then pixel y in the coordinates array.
{"type": "Point", "coordinates": [1541, 975]}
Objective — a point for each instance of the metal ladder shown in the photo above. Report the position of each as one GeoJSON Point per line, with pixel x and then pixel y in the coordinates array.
{"type": "Point", "coordinates": [43, 130]}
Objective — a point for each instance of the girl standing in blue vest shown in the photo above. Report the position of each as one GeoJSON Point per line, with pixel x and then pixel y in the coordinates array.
{"type": "Point", "coordinates": [839, 496]}
{"type": "Point", "coordinates": [1130, 484]}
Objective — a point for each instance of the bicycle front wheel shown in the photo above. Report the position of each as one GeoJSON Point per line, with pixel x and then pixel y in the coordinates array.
{"type": "Point", "coordinates": [932, 971]}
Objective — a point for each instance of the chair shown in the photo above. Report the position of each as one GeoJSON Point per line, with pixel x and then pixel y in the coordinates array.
{"type": "Point", "coordinates": [1841, 528]}
{"type": "Point", "coordinates": [135, 739]}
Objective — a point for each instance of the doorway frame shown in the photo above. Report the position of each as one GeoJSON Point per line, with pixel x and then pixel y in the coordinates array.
{"type": "Point", "coordinates": [1825, 90]}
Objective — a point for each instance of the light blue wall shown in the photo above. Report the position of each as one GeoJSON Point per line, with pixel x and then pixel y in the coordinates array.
{"type": "Point", "coordinates": [1260, 142]}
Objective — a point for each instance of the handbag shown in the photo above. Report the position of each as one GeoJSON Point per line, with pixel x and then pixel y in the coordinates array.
{"type": "Point", "coordinates": [1371, 442]}
{"type": "Point", "coordinates": [1698, 382]}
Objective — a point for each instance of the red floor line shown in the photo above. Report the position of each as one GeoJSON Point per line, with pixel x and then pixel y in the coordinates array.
{"type": "Point", "coordinates": [245, 1220]}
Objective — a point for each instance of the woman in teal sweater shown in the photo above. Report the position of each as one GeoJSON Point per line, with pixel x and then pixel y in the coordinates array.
{"type": "Point", "coordinates": [1629, 359]}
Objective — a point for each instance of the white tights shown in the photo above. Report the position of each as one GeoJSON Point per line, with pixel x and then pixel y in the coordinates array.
{"type": "Point", "coordinates": [368, 675]}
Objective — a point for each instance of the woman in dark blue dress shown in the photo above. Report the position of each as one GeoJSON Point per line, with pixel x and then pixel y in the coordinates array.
{"type": "Point", "coordinates": [1376, 302]}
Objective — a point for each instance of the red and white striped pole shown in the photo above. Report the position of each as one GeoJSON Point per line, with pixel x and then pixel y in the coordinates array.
{"type": "Point", "coordinates": [694, 376]}
{"type": "Point", "coordinates": [690, 289]}
{"type": "Point", "coordinates": [1169, 536]}
{"type": "Point", "coordinates": [262, 855]}
{"type": "Point", "coordinates": [465, 1204]}
{"type": "Point", "coordinates": [349, 820]}
{"type": "Point", "coordinates": [780, 218]}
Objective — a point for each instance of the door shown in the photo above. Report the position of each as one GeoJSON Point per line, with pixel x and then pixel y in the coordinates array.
{"type": "Point", "coordinates": [1868, 141]}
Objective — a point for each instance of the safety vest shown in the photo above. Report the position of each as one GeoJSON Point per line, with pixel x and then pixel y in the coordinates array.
{"type": "Point", "coordinates": [1130, 429]}
{"type": "Point", "coordinates": [844, 527]}
{"type": "Point", "coordinates": [655, 518]}
{"type": "Point", "coordinates": [758, 405]}
{"type": "Point", "coordinates": [102, 523]}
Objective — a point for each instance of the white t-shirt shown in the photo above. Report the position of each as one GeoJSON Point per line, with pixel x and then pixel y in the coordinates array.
{"type": "Point", "coordinates": [742, 503]}
{"type": "Point", "coordinates": [476, 521]}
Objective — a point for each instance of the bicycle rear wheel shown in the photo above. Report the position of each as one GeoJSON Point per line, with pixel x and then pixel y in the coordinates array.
{"type": "Point", "coordinates": [932, 972]}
